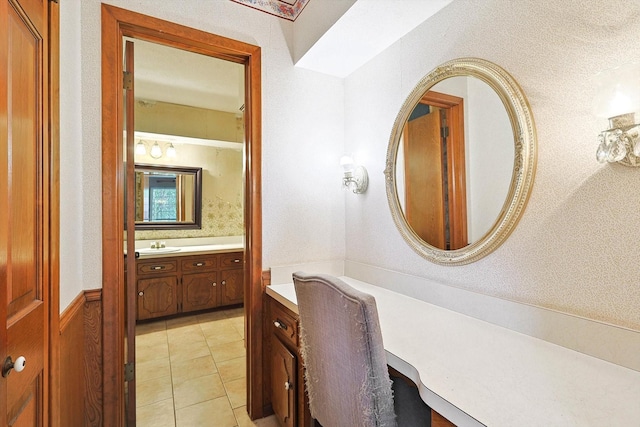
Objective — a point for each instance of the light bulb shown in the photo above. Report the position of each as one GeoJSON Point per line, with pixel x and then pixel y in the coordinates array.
{"type": "Point", "coordinates": [156, 151]}
{"type": "Point", "coordinates": [171, 151]}
{"type": "Point", "coordinates": [347, 163]}
{"type": "Point", "coordinates": [140, 149]}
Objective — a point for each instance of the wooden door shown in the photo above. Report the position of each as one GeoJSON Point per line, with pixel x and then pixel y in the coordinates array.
{"type": "Point", "coordinates": [424, 173]}
{"type": "Point", "coordinates": [26, 210]}
{"type": "Point", "coordinates": [130, 234]}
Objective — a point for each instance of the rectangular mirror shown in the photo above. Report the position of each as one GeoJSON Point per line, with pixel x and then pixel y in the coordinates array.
{"type": "Point", "coordinates": [168, 197]}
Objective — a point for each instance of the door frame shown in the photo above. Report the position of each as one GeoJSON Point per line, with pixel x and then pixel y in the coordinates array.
{"type": "Point", "coordinates": [116, 24]}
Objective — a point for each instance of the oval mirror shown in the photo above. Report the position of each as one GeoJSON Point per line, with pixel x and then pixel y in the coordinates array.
{"type": "Point", "coordinates": [461, 161]}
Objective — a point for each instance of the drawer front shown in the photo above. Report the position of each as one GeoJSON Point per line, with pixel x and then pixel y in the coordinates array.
{"type": "Point", "coordinates": [283, 324]}
{"type": "Point", "coordinates": [210, 262]}
{"type": "Point", "coordinates": [158, 266]}
{"type": "Point", "coordinates": [233, 260]}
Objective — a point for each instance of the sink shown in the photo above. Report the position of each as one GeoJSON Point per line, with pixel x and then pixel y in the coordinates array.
{"type": "Point", "coordinates": [148, 251]}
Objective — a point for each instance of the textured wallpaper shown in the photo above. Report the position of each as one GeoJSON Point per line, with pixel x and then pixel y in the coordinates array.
{"type": "Point", "coordinates": [577, 245]}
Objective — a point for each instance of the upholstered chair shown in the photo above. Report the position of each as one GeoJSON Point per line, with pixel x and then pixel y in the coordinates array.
{"type": "Point", "coordinates": [346, 372]}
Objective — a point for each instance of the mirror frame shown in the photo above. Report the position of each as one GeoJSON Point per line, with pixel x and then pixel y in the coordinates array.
{"type": "Point", "coordinates": [197, 199]}
{"type": "Point", "coordinates": [525, 157]}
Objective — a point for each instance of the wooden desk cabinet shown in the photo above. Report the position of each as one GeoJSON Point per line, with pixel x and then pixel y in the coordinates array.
{"type": "Point", "coordinates": [285, 379]}
{"type": "Point", "coordinates": [181, 284]}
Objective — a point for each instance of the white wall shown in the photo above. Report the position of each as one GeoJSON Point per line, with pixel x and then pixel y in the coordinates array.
{"type": "Point", "coordinates": [576, 247]}
{"type": "Point", "coordinates": [303, 130]}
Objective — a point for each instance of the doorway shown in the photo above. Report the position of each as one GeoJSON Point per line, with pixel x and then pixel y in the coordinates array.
{"type": "Point", "coordinates": [118, 24]}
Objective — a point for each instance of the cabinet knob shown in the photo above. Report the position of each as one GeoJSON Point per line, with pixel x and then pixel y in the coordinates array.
{"type": "Point", "coordinates": [224, 282]}
{"type": "Point", "coordinates": [278, 324]}
{"type": "Point", "coordinates": [198, 264]}
{"type": "Point", "coordinates": [140, 293]}
{"type": "Point", "coordinates": [214, 284]}
{"type": "Point", "coordinates": [236, 260]}
{"type": "Point", "coordinates": [288, 385]}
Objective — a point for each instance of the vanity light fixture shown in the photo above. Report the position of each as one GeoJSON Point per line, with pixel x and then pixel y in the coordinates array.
{"type": "Point", "coordinates": [355, 177]}
{"type": "Point", "coordinates": [156, 151]}
{"type": "Point", "coordinates": [140, 150]}
{"type": "Point", "coordinates": [171, 151]}
{"type": "Point", "coordinates": [618, 99]}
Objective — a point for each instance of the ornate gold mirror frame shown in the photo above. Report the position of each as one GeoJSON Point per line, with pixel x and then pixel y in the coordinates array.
{"type": "Point", "coordinates": [524, 138]}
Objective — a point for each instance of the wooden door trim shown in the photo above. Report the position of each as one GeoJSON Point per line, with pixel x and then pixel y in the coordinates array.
{"type": "Point", "coordinates": [456, 169]}
{"type": "Point", "coordinates": [116, 23]}
{"type": "Point", "coordinates": [54, 215]}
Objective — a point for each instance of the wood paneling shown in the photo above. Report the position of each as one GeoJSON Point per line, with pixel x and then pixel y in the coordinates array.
{"type": "Point", "coordinates": [80, 370]}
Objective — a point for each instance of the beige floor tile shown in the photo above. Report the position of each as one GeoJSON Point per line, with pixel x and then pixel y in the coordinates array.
{"type": "Point", "coordinates": [235, 312]}
{"type": "Point", "coordinates": [186, 334]}
{"type": "Point", "coordinates": [145, 328]}
{"type": "Point", "coordinates": [225, 337]}
{"type": "Point", "coordinates": [211, 316]}
{"type": "Point", "coordinates": [232, 369]}
{"type": "Point", "coordinates": [146, 353]}
{"type": "Point", "coordinates": [244, 421]}
{"type": "Point", "coordinates": [237, 392]}
{"type": "Point", "coordinates": [159, 414]}
{"type": "Point", "coordinates": [188, 351]}
{"type": "Point", "coordinates": [197, 390]}
{"type": "Point", "coordinates": [212, 413]}
{"type": "Point", "coordinates": [238, 324]}
{"type": "Point", "coordinates": [179, 322]}
{"type": "Point", "coordinates": [216, 326]}
{"type": "Point", "coordinates": [153, 390]}
{"type": "Point", "coordinates": [152, 369]}
{"type": "Point", "coordinates": [151, 338]}
{"type": "Point", "coordinates": [183, 370]}
{"type": "Point", "coordinates": [228, 351]}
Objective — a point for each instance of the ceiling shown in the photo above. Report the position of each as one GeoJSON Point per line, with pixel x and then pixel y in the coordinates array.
{"type": "Point", "coordinates": [177, 76]}
{"type": "Point", "coordinates": [368, 27]}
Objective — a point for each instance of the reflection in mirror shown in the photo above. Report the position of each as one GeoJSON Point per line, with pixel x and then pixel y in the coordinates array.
{"type": "Point", "coordinates": [168, 197]}
{"type": "Point", "coordinates": [461, 161]}
{"type": "Point", "coordinates": [457, 153]}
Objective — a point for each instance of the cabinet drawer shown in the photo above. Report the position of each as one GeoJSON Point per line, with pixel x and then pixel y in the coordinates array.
{"type": "Point", "coordinates": [157, 267]}
{"type": "Point", "coordinates": [210, 262]}
{"type": "Point", "coordinates": [233, 260]}
{"type": "Point", "coordinates": [283, 324]}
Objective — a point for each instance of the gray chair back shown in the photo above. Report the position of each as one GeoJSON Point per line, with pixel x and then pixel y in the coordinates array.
{"type": "Point", "coordinates": [341, 345]}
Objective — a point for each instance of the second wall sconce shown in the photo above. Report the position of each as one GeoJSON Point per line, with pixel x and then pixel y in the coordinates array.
{"type": "Point", "coordinates": [618, 99]}
{"type": "Point", "coordinates": [355, 177]}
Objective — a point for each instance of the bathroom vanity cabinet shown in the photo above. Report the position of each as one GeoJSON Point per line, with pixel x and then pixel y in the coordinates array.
{"type": "Point", "coordinates": [286, 380]}
{"type": "Point", "coordinates": [181, 284]}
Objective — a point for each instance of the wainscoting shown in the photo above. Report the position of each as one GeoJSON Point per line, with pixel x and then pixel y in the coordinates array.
{"type": "Point", "coordinates": [81, 361]}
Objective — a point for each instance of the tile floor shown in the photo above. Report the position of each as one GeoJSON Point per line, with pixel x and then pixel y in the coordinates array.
{"type": "Point", "coordinates": [191, 372]}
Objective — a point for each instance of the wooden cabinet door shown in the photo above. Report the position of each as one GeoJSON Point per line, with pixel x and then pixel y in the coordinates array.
{"type": "Point", "coordinates": [232, 287]}
{"type": "Point", "coordinates": [199, 291]}
{"type": "Point", "coordinates": [157, 297]}
{"type": "Point", "coordinates": [283, 379]}
{"type": "Point", "coordinates": [28, 220]}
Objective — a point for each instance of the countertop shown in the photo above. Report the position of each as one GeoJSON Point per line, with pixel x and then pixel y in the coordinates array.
{"type": "Point", "coordinates": [194, 250]}
{"type": "Point", "coordinates": [476, 373]}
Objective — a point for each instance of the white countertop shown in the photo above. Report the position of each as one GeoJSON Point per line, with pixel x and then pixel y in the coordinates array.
{"type": "Point", "coordinates": [195, 250]}
{"type": "Point", "coordinates": [476, 373]}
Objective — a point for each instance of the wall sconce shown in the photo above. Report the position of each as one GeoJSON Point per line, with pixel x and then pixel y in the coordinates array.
{"type": "Point", "coordinates": [355, 177]}
{"type": "Point", "coordinates": [618, 99]}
